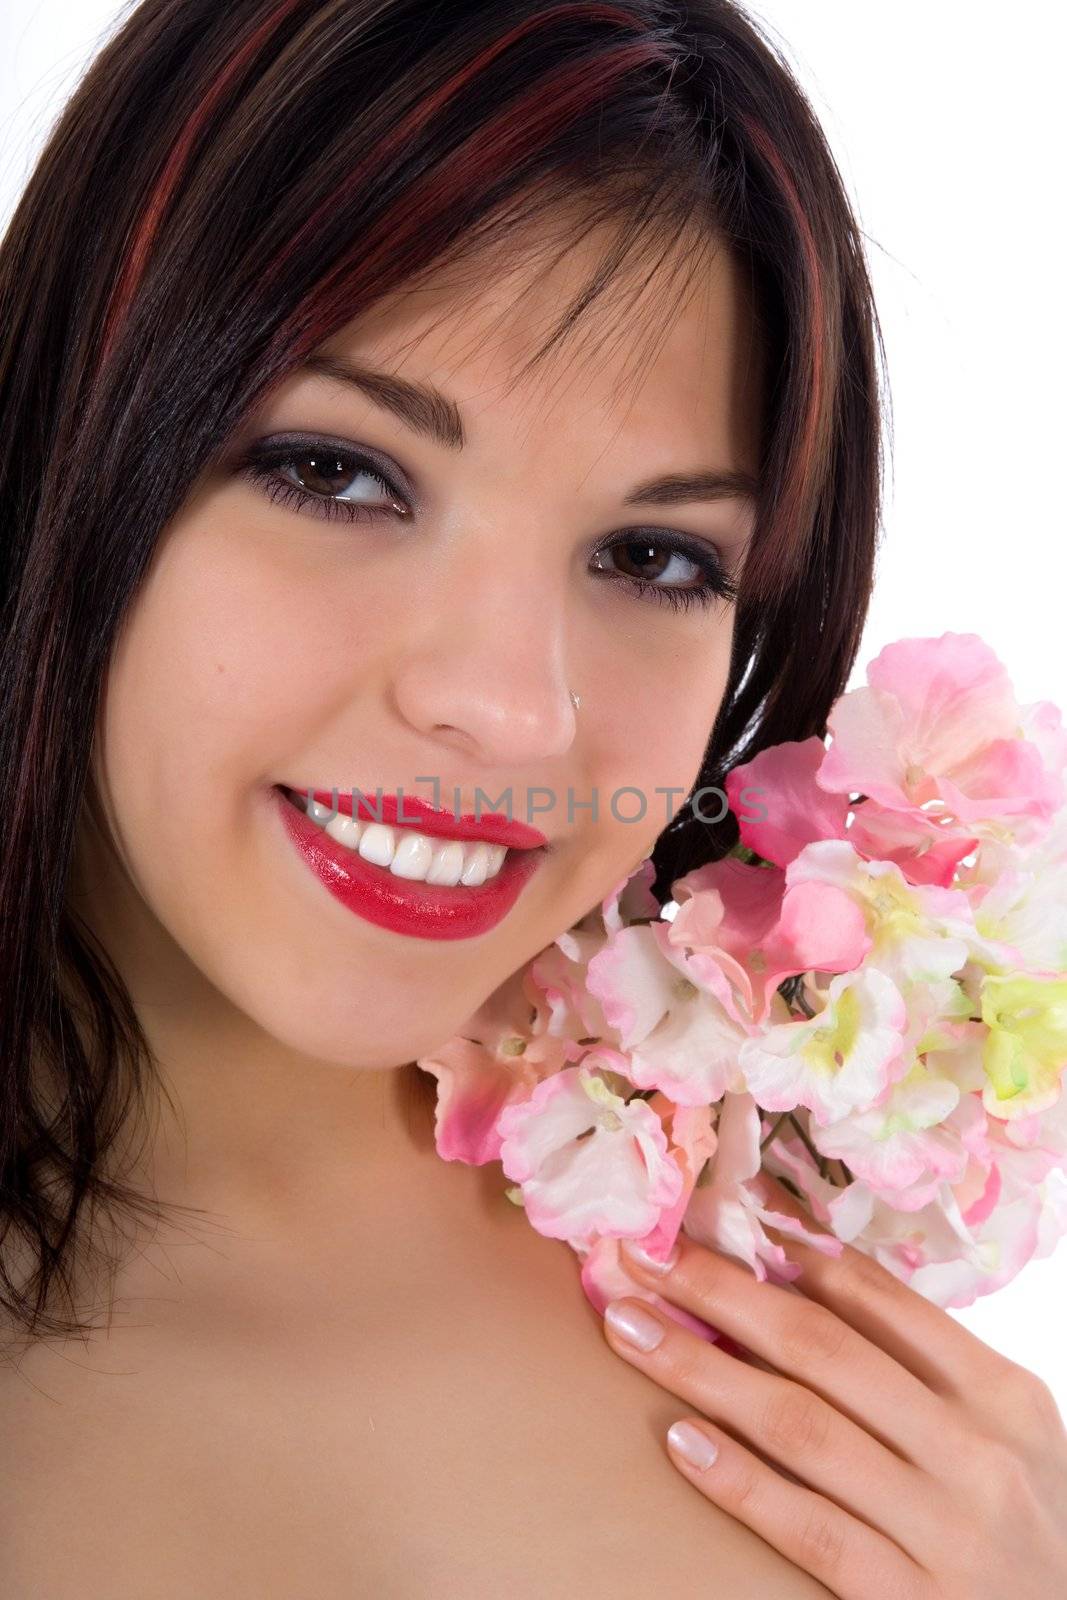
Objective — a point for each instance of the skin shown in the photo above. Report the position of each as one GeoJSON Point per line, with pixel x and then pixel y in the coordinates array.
{"type": "Point", "coordinates": [872, 1439]}
{"type": "Point", "coordinates": [268, 645]}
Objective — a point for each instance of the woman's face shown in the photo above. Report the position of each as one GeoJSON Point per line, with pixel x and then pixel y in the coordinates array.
{"type": "Point", "coordinates": [272, 645]}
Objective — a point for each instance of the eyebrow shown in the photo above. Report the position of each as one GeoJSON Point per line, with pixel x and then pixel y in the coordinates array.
{"type": "Point", "coordinates": [427, 411]}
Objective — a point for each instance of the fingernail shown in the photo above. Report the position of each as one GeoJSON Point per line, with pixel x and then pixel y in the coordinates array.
{"type": "Point", "coordinates": [631, 1248]}
{"type": "Point", "coordinates": [692, 1443]}
{"type": "Point", "coordinates": [635, 1324]}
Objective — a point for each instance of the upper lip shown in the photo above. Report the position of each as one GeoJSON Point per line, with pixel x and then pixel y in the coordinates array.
{"type": "Point", "coordinates": [408, 810]}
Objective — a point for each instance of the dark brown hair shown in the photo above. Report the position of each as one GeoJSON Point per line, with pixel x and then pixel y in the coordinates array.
{"type": "Point", "coordinates": [228, 186]}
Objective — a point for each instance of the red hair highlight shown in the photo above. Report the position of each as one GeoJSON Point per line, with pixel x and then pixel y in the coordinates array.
{"type": "Point", "coordinates": [493, 145]}
{"type": "Point", "coordinates": [810, 442]}
{"type": "Point", "coordinates": [159, 200]}
{"type": "Point", "coordinates": [561, 98]}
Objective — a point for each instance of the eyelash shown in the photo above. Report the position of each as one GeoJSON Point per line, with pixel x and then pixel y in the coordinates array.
{"type": "Point", "coordinates": [261, 463]}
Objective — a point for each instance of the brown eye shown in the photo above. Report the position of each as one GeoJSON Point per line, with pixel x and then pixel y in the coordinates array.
{"type": "Point", "coordinates": [643, 560]}
{"type": "Point", "coordinates": [648, 559]}
{"type": "Point", "coordinates": [319, 477]}
{"type": "Point", "coordinates": [328, 472]}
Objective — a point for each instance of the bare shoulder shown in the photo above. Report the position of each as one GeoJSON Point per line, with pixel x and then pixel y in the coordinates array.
{"type": "Point", "coordinates": [542, 1481]}
{"type": "Point", "coordinates": [448, 1437]}
{"type": "Point", "coordinates": [627, 1520]}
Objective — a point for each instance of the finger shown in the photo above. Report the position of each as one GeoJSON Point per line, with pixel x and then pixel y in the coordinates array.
{"type": "Point", "coordinates": [920, 1336]}
{"type": "Point", "coordinates": [808, 1342]}
{"type": "Point", "coordinates": [852, 1560]}
{"type": "Point", "coordinates": [789, 1425]}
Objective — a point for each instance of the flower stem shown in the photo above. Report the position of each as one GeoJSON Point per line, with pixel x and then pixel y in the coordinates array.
{"type": "Point", "coordinates": [820, 1161]}
{"type": "Point", "coordinates": [765, 1142]}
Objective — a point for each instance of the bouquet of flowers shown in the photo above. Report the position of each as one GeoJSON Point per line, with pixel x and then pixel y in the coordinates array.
{"type": "Point", "coordinates": [865, 1001]}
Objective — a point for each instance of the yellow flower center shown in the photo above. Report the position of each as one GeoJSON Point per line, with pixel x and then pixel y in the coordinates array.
{"type": "Point", "coordinates": [829, 1046]}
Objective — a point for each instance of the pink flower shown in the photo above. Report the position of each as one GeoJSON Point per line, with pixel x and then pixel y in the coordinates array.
{"type": "Point", "coordinates": [907, 1145]}
{"type": "Point", "coordinates": [800, 809]}
{"type": "Point", "coordinates": [497, 1058]}
{"type": "Point", "coordinates": [797, 809]}
{"type": "Point", "coordinates": [559, 974]}
{"type": "Point", "coordinates": [759, 928]}
{"type": "Point", "coordinates": [727, 1211]}
{"type": "Point", "coordinates": [938, 726]}
{"type": "Point", "coordinates": [588, 1161]}
{"type": "Point", "coordinates": [908, 1078]}
{"type": "Point", "coordinates": [838, 1061]}
{"type": "Point", "coordinates": [667, 1010]}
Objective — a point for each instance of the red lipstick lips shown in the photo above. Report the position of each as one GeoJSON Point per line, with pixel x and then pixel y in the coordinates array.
{"type": "Point", "coordinates": [403, 905]}
{"type": "Point", "coordinates": [411, 811]}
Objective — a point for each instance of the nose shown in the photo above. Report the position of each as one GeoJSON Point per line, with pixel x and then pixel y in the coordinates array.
{"type": "Point", "coordinates": [487, 676]}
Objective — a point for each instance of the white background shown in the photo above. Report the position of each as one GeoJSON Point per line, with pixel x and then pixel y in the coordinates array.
{"type": "Point", "coordinates": [940, 114]}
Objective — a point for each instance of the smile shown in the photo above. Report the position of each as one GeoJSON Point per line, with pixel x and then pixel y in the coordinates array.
{"type": "Point", "coordinates": [402, 878]}
{"type": "Point", "coordinates": [407, 853]}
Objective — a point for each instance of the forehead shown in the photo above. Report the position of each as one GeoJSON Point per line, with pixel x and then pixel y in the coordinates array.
{"type": "Point", "coordinates": [667, 348]}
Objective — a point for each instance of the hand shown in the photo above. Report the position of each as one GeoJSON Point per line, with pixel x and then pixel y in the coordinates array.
{"type": "Point", "coordinates": [919, 1464]}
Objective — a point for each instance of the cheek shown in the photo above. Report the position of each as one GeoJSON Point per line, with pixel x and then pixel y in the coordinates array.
{"type": "Point", "coordinates": [232, 673]}
{"type": "Point", "coordinates": [236, 654]}
{"type": "Point", "coordinates": [654, 730]}
{"type": "Point", "coordinates": [651, 734]}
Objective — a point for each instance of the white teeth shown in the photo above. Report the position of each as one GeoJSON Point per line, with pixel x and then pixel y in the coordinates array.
{"type": "Point", "coordinates": [447, 864]}
{"type": "Point", "coordinates": [377, 843]}
{"type": "Point", "coordinates": [410, 854]}
{"type": "Point", "coordinates": [346, 830]}
{"type": "Point", "coordinates": [474, 872]}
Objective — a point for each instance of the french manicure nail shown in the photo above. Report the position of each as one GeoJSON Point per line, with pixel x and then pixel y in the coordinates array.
{"type": "Point", "coordinates": [692, 1443]}
{"type": "Point", "coordinates": [635, 1324]}
{"type": "Point", "coordinates": [630, 1247]}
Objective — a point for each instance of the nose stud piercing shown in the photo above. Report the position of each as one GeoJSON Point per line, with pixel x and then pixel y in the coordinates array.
{"type": "Point", "coordinates": [575, 700]}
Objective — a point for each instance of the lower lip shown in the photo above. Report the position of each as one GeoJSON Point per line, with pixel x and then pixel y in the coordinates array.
{"type": "Point", "coordinates": [403, 905]}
